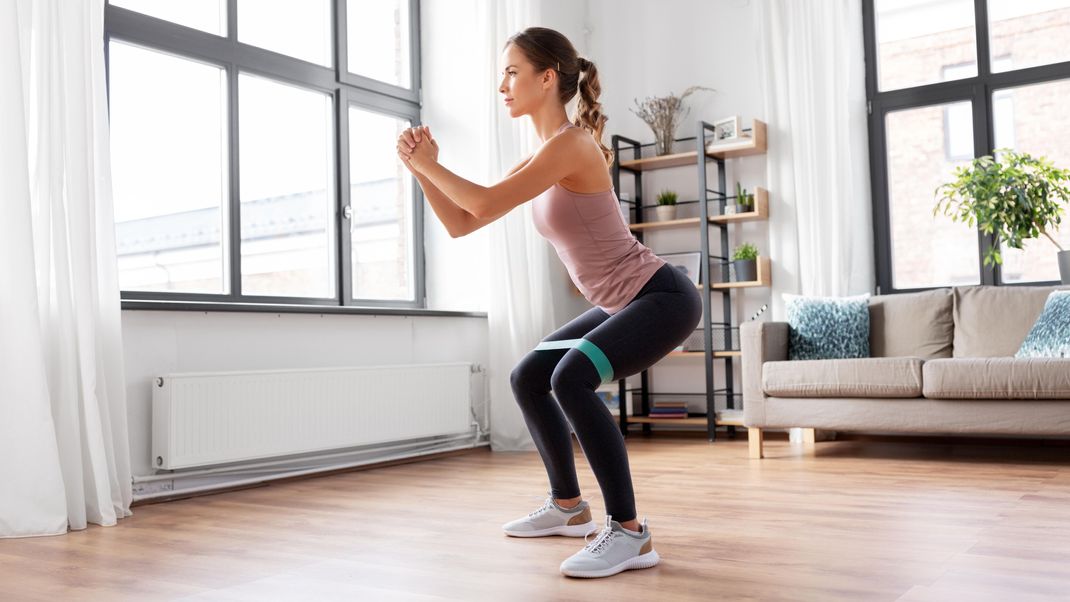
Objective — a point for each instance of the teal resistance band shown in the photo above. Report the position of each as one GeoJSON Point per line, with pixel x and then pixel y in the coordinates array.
{"type": "Point", "coordinates": [599, 359]}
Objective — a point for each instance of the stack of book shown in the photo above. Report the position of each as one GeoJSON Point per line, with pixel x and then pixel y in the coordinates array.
{"type": "Point", "coordinates": [669, 409]}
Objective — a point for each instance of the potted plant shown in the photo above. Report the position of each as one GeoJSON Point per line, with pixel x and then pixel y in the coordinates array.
{"type": "Point", "coordinates": [663, 114]}
{"type": "Point", "coordinates": [1014, 196]}
{"type": "Point", "coordinates": [666, 209]}
{"type": "Point", "coordinates": [745, 262]}
{"type": "Point", "coordinates": [744, 199]}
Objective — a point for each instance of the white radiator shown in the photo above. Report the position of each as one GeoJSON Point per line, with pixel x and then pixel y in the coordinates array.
{"type": "Point", "coordinates": [208, 418]}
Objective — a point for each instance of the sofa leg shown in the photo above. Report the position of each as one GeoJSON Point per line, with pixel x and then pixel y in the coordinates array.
{"type": "Point", "coordinates": [809, 440]}
{"type": "Point", "coordinates": [754, 442]}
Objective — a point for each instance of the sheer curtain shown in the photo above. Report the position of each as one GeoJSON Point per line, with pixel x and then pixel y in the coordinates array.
{"type": "Point", "coordinates": [520, 310]}
{"type": "Point", "coordinates": [64, 452]}
{"type": "Point", "coordinates": [813, 79]}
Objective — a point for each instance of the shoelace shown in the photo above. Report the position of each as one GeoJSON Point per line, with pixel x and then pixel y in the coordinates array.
{"type": "Point", "coordinates": [545, 506]}
{"type": "Point", "coordinates": [605, 536]}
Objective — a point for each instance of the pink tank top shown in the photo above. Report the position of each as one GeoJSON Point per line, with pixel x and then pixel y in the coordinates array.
{"type": "Point", "coordinates": [603, 258]}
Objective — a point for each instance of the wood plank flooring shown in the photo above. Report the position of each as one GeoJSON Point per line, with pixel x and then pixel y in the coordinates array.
{"type": "Point", "coordinates": [910, 520]}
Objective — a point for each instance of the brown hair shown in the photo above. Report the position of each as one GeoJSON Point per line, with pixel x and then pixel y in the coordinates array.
{"type": "Point", "coordinates": [549, 49]}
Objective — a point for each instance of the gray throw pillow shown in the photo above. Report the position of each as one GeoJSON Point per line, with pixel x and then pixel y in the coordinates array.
{"type": "Point", "coordinates": [822, 328]}
{"type": "Point", "coordinates": [1050, 335]}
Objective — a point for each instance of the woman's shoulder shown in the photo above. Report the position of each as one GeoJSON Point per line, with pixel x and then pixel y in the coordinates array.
{"type": "Point", "coordinates": [581, 143]}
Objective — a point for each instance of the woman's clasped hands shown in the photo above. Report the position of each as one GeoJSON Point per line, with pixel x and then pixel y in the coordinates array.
{"type": "Point", "coordinates": [417, 149]}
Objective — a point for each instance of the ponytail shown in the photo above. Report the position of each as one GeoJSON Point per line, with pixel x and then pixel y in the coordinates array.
{"type": "Point", "coordinates": [589, 114]}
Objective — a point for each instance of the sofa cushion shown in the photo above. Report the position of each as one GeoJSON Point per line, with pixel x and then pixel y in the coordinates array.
{"type": "Point", "coordinates": [911, 324]}
{"type": "Point", "coordinates": [1050, 335]}
{"type": "Point", "coordinates": [827, 327]}
{"type": "Point", "coordinates": [857, 377]}
{"type": "Point", "coordinates": [997, 378]}
{"type": "Point", "coordinates": [992, 321]}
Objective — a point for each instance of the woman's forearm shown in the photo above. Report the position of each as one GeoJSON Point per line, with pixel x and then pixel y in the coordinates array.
{"type": "Point", "coordinates": [456, 220]}
{"type": "Point", "coordinates": [469, 196]}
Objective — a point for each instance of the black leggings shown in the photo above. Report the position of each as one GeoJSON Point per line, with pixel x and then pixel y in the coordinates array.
{"type": "Point", "coordinates": [660, 317]}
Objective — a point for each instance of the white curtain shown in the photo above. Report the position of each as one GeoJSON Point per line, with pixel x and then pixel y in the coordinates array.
{"type": "Point", "coordinates": [813, 79]}
{"type": "Point", "coordinates": [520, 310]}
{"type": "Point", "coordinates": [64, 452]}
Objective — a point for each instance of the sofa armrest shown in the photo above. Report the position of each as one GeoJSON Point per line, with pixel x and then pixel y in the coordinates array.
{"type": "Point", "coordinates": [759, 342]}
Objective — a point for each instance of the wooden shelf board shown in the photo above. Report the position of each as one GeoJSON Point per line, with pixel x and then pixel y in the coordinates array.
{"type": "Point", "coordinates": [672, 223]}
{"type": "Point", "coordinates": [662, 162]}
{"type": "Point", "coordinates": [647, 420]}
{"type": "Point", "coordinates": [764, 278]}
{"type": "Point", "coordinates": [722, 418]}
{"type": "Point", "coordinates": [702, 353]}
{"type": "Point", "coordinates": [761, 210]}
{"type": "Point", "coordinates": [754, 144]}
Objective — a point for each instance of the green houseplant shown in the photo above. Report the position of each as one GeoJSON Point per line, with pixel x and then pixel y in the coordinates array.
{"type": "Point", "coordinates": [666, 209]}
{"type": "Point", "coordinates": [744, 199]}
{"type": "Point", "coordinates": [745, 262]}
{"type": "Point", "coordinates": [1013, 196]}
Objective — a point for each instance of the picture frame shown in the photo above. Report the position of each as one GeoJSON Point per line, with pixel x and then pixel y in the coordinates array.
{"type": "Point", "coordinates": [726, 129]}
{"type": "Point", "coordinates": [688, 263]}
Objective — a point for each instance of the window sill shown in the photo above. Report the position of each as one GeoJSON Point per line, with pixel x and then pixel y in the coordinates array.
{"type": "Point", "coordinates": [286, 308]}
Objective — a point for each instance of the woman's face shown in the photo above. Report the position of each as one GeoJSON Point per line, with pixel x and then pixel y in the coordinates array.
{"type": "Point", "coordinates": [522, 89]}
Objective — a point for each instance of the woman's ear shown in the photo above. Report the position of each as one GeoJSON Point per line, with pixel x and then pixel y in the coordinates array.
{"type": "Point", "coordinates": [548, 79]}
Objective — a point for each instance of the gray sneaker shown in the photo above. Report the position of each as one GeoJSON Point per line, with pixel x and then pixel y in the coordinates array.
{"type": "Point", "coordinates": [613, 551]}
{"type": "Point", "coordinates": [551, 519]}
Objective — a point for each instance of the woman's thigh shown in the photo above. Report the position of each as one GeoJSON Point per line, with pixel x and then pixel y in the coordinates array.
{"type": "Point", "coordinates": [648, 328]}
{"type": "Point", "coordinates": [536, 367]}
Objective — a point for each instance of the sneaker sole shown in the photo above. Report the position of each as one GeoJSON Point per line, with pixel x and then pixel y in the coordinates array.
{"type": "Point", "coordinates": [581, 530]}
{"type": "Point", "coordinates": [644, 561]}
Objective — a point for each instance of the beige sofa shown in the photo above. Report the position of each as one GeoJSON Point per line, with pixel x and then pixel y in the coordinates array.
{"type": "Point", "coordinates": [941, 362]}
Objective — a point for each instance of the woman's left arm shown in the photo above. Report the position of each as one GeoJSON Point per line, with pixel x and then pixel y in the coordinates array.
{"type": "Point", "coordinates": [551, 163]}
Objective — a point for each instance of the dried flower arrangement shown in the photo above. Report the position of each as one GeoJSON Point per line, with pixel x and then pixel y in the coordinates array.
{"type": "Point", "coordinates": [663, 114]}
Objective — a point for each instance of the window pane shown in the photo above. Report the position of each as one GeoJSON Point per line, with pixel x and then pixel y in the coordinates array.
{"type": "Point", "coordinates": [1033, 119]}
{"type": "Point", "coordinates": [916, 39]}
{"type": "Point", "coordinates": [206, 15]}
{"type": "Point", "coordinates": [381, 195]}
{"type": "Point", "coordinates": [297, 28]}
{"type": "Point", "coordinates": [287, 193]}
{"type": "Point", "coordinates": [926, 250]}
{"type": "Point", "coordinates": [169, 157]}
{"type": "Point", "coordinates": [378, 40]}
{"type": "Point", "coordinates": [1030, 33]}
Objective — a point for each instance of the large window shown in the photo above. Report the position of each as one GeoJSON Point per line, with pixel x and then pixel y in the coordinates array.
{"type": "Point", "coordinates": [253, 151]}
{"type": "Point", "coordinates": [947, 81]}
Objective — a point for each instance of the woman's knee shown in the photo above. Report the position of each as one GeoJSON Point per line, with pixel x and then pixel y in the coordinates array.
{"type": "Point", "coordinates": [573, 372]}
{"type": "Point", "coordinates": [530, 374]}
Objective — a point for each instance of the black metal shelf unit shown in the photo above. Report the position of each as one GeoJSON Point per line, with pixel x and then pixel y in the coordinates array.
{"type": "Point", "coordinates": [726, 328]}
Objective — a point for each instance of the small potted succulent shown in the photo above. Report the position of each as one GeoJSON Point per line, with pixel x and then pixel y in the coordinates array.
{"type": "Point", "coordinates": [745, 262]}
{"type": "Point", "coordinates": [1014, 197]}
{"type": "Point", "coordinates": [666, 209]}
{"type": "Point", "coordinates": [744, 199]}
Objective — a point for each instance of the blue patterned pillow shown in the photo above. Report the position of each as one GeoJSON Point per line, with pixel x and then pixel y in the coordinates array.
{"type": "Point", "coordinates": [823, 328]}
{"type": "Point", "coordinates": [1050, 335]}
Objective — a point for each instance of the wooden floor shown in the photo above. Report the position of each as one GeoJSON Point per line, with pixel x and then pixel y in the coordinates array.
{"type": "Point", "coordinates": [856, 520]}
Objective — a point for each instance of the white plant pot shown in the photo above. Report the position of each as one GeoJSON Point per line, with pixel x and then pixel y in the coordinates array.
{"type": "Point", "coordinates": [665, 212]}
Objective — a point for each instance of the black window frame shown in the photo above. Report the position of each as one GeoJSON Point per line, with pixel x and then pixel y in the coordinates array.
{"type": "Point", "coordinates": [978, 90]}
{"type": "Point", "coordinates": [346, 89]}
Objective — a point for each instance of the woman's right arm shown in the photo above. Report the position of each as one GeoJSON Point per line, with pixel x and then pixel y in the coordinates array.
{"type": "Point", "coordinates": [457, 221]}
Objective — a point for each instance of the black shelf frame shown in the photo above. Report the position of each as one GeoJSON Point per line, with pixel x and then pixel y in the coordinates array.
{"type": "Point", "coordinates": [725, 325]}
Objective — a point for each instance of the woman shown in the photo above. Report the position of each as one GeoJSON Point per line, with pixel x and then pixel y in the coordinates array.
{"type": "Point", "coordinates": [644, 307]}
